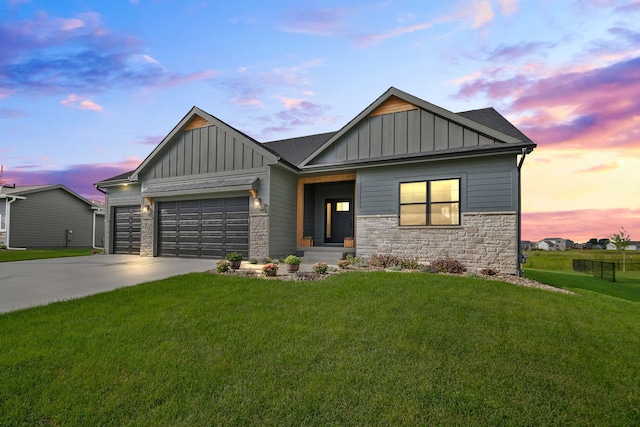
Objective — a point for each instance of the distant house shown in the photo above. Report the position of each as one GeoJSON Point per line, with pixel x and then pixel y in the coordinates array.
{"type": "Point", "coordinates": [404, 177]}
{"type": "Point", "coordinates": [526, 245]}
{"type": "Point", "coordinates": [633, 246]}
{"type": "Point", "coordinates": [49, 216]}
{"type": "Point", "coordinates": [548, 245]}
{"type": "Point", "coordinates": [555, 244]}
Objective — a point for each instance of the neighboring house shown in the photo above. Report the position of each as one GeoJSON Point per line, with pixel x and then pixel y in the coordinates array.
{"type": "Point", "coordinates": [558, 244]}
{"type": "Point", "coordinates": [404, 177]}
{"type": "Point", "coordinates": [526, 245]}
{"type": "Point", "coordinates": [548, 245]}
{"type": "Point", "coordinates": [49, 216]}
{"type": "Point", "coordinates": [633, 246]}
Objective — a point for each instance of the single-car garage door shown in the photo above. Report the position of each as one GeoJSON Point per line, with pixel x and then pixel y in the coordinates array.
{"type": "Point", "coordinates": [126, 229]}
{"type": "Point", "coordinates": [208, 228]}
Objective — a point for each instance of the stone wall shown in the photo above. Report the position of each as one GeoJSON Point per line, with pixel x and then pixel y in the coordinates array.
{"type": "Point", "coordinates": [484, 240]}
{"type": "Point", "coordinates": [107, 234]}
{"type": "Point", "coordinates": [146, 232]}
{"type": "Point", "coordinates": [258, 236]}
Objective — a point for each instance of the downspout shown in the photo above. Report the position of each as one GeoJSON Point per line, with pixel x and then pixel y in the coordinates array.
{"type": "Point", "coordinates": [93, 237]}
{"type": "Point", "coordinates": [8, 221]}
{"type": "Point", "coordinates": [519, 216]}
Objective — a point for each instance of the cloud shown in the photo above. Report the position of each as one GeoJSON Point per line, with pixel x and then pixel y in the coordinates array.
{"type": "Point", "coordinates": [297, 113]}
{"type": "Point", "coordinates": [580, 225]}
{"type": "Point", "coordinates": [79, 178]}
{"type": "Point", "coordinates": [9, 113]}
{"type": "Point", "coordinates": [508, 7]}
{"type": "Point", "coordinates": [46, 55]}
{"type": "Point", "coordinates": [594, 108]}
{"type": "Point", "coordinates": [319, 22]}
{"type": "Point", "coordinates": [80, 103]}
{"type": "Point", "coordinates": [516, 51]}
{"type": "Point", "coordinates": [611, 166]}
{"type": "Point", "coordinates": [150, 140]}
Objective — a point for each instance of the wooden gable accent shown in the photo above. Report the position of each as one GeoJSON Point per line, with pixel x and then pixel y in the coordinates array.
{"type": "Point", "coordinates": [393, 105]}
{"type": "Point", "coordinates": [196, 123]}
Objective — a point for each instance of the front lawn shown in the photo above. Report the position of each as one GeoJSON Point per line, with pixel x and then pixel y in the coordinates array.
{"type": "Point", "coordinates": [31, 254]}
{"type": "Point", "coordinates": [359, 348]}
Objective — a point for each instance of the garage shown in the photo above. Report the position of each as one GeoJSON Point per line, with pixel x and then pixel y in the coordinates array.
{"type": "Point", "coordinates": [209, 228]}
{"type": "Point", "coordinates": [126, 229]}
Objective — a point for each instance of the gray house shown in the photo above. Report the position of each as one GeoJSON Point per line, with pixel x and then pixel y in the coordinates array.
{"type": "Point", "coordinates": [49, 216]}
{"type": "Point", "coordinates": [405, 177]}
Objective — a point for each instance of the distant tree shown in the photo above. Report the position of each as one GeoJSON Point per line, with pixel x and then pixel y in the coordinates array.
{"type": "Point", "coordinates": [593, 241]}
{"type": "Point", "coordinates": [621, 239]}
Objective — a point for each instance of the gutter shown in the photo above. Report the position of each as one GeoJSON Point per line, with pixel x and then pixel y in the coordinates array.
{"type": "Point", "coordinates": [519, 216]}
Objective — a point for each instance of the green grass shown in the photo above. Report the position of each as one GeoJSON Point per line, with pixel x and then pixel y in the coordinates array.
{"type": "Point", "coordinates": [626, 286]}
{"type": "Point", "coordinates": [562, 260]}
{"type": "Point", "coordinates": [30, 254]}
{"type": "Point", "coordinates": [356, 349]}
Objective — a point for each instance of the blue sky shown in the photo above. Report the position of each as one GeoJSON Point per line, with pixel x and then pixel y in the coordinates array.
{"type": "Point", "coordinates": [87, 88]}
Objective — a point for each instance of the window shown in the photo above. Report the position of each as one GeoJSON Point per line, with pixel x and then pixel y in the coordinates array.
{"type": "Point", "coordinates": [430, 202]}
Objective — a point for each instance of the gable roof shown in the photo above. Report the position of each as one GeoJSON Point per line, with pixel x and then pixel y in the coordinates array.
{"type": "Point", "coordinates": [395, 100]}
{"type": "Point", "coordinates": [25, 190]}
{"type": "Point", "coordinates": [193, 119]}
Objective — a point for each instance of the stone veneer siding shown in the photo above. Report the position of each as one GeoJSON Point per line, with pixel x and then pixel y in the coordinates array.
{"type": "Point", "coordinates": [484, 240]}
{"type": "Point", "coordinates": [3, 237]}
{"type": "Point", "coordinates": [107, 235]}
{"type": "Point", "coordinates": [258, 236]}
{"type": "Point", "coordinates": [146, 232]}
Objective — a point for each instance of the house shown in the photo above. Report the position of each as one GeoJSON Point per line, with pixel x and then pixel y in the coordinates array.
{"type": "Point", "coordinates": [555, 244]}
{"type": "Point", "coordinates": [548, 245]}
{"type": "Point", "coordinates": [49, 216]}
{"type": "Point", "coordinates": [632, 246]}
{"type": "Point", "coordinates": [404, 177]}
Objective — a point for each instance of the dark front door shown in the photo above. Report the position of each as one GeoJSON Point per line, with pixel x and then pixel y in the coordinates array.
{"type": "Point", "coordinates": [338, 220]}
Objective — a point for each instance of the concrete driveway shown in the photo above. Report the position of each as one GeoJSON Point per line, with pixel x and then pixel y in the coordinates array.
{"type": "Point", "coordinates": [30, 283]}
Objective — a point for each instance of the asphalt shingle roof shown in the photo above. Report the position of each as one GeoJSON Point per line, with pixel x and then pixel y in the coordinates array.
{"type": "Point", "coordinates": [491, 118]}
{"type": "Point", "coordinates": [295, 150]}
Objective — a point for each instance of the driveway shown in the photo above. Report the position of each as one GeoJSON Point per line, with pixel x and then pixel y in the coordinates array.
{"type": "Point", "coordinates": [30, 283]}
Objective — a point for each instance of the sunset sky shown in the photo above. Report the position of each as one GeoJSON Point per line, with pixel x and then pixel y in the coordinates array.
{"type": "Point", "coordinates": [88, 88]}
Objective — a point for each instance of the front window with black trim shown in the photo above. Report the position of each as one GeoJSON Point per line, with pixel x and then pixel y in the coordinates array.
{"type": "Point", "coordinates": [434, 202]}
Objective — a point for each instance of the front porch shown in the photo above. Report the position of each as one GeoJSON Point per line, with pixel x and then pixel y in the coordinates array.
{"type": "Point", "coordinates": [326, 213]}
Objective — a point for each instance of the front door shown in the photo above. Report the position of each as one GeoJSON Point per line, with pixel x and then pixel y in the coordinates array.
{"type": "Point", "coordinates": [338, 220]}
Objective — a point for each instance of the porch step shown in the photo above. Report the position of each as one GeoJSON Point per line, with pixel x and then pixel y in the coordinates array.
{"type": "Point", "coordinates": [330, 255]}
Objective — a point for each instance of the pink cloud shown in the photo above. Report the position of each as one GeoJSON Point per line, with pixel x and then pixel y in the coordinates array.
{"type": "Point", "coordinates": [602, 168]}
{"type": "Point", "coordinates": [79, 178]}
{"type": "Point", "coordinates": [80, 103]}
{"type": "Point", "coordinates": [594, 108]}
{"type": "Point", "coordinates": [580, 225]}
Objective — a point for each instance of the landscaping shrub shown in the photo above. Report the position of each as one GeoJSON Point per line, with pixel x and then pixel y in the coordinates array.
{"type": "Point", "coordinates": [320, 267]}
{"type": "Point", "coordinates": [222, 266]}
{"type": "Point", "coordinates": [448, 265]}
{"type": "Point", "coordinates": [343, 263]}
{"type": "Point", "coordinates": [410, 263]}
{"type": "Point", "coordinates": [488, 272]}
{"type": "Point", "coordinates": [384, 261]}
{"type": "Point", "coordinates": [270, 269]}
{"type": "Point", "coordinates": [356, 261]}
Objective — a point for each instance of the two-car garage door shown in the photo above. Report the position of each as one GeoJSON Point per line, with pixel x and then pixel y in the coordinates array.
{"type": "Point", "coordinates": [203, 228]}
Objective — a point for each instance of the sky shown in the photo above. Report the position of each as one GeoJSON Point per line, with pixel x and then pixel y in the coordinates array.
{"type": "Point", "coordinates": [88, 88]}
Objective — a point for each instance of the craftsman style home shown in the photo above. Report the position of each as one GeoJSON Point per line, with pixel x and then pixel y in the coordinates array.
{"type": "Point", "coordinates": [404, 177]}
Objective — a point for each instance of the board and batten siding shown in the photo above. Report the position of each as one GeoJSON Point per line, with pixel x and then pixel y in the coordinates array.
{"type": "Point", "coordinates": [282, 212]}
{"type": "Point", "coordinates": [42, 219]}
{"type": "Point", "coordinates": [486, 184]}
{"type": "Point", "coordinates": [399, 134]}
{"type": "Point", "coordinates": [206, 150]}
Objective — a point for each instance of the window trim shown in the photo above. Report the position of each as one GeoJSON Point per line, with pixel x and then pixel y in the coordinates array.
{"type": "Point", "coordinates": [428, 203]}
